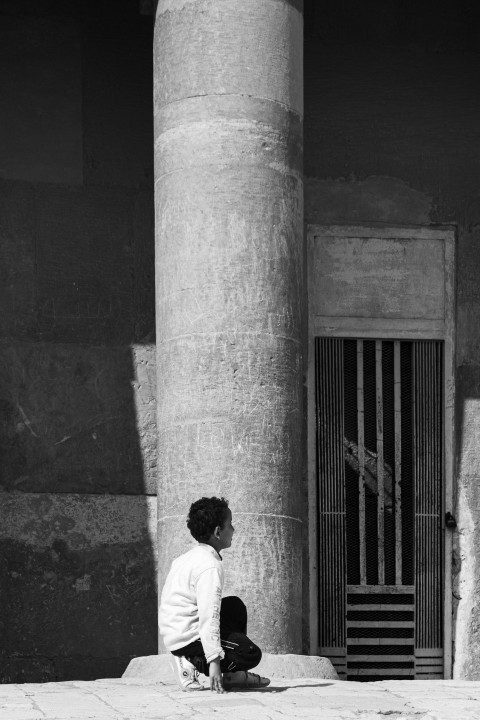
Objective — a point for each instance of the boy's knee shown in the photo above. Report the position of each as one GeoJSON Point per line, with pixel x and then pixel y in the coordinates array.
{"type": "Point", "coordinates": [250, 657]}
{"type": "Point", "coordinates": [254, 656]}
{"type": "Point", "coordinates": [241, 653]}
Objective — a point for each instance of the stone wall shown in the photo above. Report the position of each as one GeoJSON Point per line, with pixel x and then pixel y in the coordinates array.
{"type": "Point", "coordinates": [77, 365]}
{"type": "Point", "coordinates": [392, 135]}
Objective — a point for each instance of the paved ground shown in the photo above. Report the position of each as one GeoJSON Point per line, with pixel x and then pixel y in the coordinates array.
{"type": "Point", "coordinates": [133, 699]}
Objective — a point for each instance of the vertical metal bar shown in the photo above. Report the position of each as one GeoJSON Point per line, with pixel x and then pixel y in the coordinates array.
{"type": "Point", "coordinates": [380, 473]}
{"type": "Point", "coordinates": [398, 461]}
{"type": "Point", "coordinates": [361, 463]}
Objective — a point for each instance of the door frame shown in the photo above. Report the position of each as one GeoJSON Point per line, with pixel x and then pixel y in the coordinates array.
{"type": "Point", "coordinates": [385, 329]}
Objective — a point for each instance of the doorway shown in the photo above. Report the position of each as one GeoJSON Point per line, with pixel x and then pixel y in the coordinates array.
{"type": "Point", "coordinates": [381, 392]}
{"type": "Point", "coordinates": [380, 468]}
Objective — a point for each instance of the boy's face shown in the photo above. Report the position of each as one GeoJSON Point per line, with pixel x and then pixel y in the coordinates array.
{"type": "Point", "coordinates": [225, 534]}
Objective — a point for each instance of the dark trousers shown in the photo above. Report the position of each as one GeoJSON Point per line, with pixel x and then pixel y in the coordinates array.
{"type": "Point", "coordinates": [240, 652]}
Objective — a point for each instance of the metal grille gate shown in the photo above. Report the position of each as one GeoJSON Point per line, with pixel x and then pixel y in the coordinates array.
{"type": "Point", "coordinates": [379, 410]}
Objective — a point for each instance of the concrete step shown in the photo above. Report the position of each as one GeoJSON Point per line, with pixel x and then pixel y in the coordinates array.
{"type": "Point", "coordinates": [160, 668]}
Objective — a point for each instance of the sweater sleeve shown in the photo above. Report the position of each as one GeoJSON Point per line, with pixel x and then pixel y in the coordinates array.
{"type": "Point", "coordinates": [209, 597]}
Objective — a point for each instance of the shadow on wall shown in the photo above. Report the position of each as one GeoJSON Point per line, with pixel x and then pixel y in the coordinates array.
{"type": "Point", "coordinates": [77, 366]}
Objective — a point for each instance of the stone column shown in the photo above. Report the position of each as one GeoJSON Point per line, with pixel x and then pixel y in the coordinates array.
{"type": "Point", "coordinates": [229, 235]}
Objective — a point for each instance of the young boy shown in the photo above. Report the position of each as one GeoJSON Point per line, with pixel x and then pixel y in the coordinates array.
{"type": "Point", "coordinates": [204, 632]}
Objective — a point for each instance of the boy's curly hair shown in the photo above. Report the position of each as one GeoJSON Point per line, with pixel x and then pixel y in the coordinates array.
{"type": "Point", "coordinates": [204, 516]}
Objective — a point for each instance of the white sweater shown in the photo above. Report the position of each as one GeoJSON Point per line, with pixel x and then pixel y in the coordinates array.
{"type": "Point", "coordinates": [190, 602]}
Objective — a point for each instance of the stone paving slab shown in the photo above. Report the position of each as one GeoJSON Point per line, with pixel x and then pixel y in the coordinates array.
{"type": "Point", "coordinates": [136, 699]}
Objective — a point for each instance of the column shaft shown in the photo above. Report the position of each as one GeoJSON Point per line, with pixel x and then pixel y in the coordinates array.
{"type": "Point", "coordinates": [229, 270]}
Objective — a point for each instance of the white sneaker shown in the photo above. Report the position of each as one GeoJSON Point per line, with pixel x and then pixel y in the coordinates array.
{"type": "Point", "coordinates": [187, 674]}
{"type": "Point", "coordinates": [243, 679]}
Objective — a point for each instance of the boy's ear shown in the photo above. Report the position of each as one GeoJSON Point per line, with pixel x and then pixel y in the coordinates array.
{"type": "Point", "coordinates": [216, 532]}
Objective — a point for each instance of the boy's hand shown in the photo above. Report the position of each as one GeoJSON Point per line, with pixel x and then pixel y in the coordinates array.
{"type": "Point", "coordinates": [216, 679]}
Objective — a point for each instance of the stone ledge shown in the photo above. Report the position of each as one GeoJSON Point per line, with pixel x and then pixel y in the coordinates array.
{"type": "Point", "coordinates": [161, 668]}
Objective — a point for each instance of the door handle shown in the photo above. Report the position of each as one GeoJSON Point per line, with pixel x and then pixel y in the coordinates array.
{"type": "Point", "coordinates": [450, 521]}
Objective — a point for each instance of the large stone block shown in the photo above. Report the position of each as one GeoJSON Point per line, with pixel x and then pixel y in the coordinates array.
{"type": "Point", "coordinates": [76, 265]}
{"type": "Point", "coordinates": [144, 267]}
{"type": "Point", "coordinates": [77, 418]}
{"type": "Point", "coordinates": [77, 586]}
{"type": "Point", "coordinates": [248, 49]}
{"type": "Point", "coordinates": [85, 266]}
{"type": "Point", "coordinates": [117, 99]}
{"type": "Point", "coordinates": [40, 76]}
{"type": "Point", "coordinates": [17, 259]}
{"type": "Point", "coordinates": [375, 199]}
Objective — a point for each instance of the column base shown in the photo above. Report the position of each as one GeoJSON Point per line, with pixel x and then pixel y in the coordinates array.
{"type": "Point", "coordinates": [160, 668]}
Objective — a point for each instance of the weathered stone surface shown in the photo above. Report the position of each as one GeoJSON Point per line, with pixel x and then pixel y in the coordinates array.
{"type": "Point", "coordinates": [296, 666]}
{"type": "Point", "coordinates": [263, 60]}
{"type": "Point", "coordinates": [467, 534]}
{"type": "Point", "coordinates": [205, 424]}
{"type": "Point", "coordinates": [468, 293]}
{"type": "Point", "coordinates": [91, 520]}
{"type": "Point", "coordinates": [77, 418]}
{"type": "Point", "coordinates": [77, 586]}
{"type": "Point", "coordinates": [229, 275]}
{"type": "Point", "coordinates": [161, 668]}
